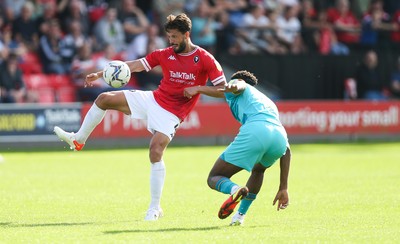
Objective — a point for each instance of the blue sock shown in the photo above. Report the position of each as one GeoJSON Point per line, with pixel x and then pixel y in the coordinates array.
{"type": "Point", "coordinates": [246, 202]}
{"type": "Point", "coordinates": [224, 185]}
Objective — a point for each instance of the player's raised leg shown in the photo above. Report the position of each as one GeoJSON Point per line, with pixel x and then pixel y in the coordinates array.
{"type": "Point", "coordinates": [108, 100]}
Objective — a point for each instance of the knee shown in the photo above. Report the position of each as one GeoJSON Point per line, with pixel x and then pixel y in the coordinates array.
{"type": "Point", "coordinates": [212, 181]}
{"type": "Point", "coordinates": [209, 182]}
{"type": "Point", "coordinates": [156, 152]}
{"type": "Point", "coordinates": [103, 100]}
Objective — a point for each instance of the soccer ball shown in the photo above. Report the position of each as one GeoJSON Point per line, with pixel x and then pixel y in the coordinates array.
{"type": "Point", "coordinates": [116, 74]}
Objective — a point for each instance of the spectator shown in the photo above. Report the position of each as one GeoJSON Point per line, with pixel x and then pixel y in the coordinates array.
{"type": "Point", "coordinates": [109, 30]}
{"type": "Point", "coordinates": [107, 56]}
{"type": "Point", "coordinates": [145, 43]}
{"type": "Point", "coordinates": [289, 27]}
{"type": "Point", "coordinates": [204, 27]}
{"type": "Point", "coordinates": [54, 54]}
{"type": "Point", "coordinates": [49, 14]}
{"type": "Point", "coordinates": [234, 8]}
{"type": "Point", "coordinates": [14, 7]}
{"type": "Point", "coordinates": [76, 12]}
{"type": "Point", "coordinates": [12, 88]}
{"type": "Point", "coordinates": [257, 33]}
{"type": "Point", "coordinates": [4, 50]}
{"type": "Point", "coordinates": [395, 35]}
{"type": "Point", "coordinates": [376, 26]}
{"type": "Point", "coordinates": [75, 37]}
{"type": "Point", "coordinates": [133, 19]}
{"type": "Point", "coordinates": [225, 32]}
{"type": "Point", "coordinates": [308, 18]}
{"type": "Point", "coordinates": [163, 8]}
{"type": "Point", "coordinates": [142, 45]}
{"type": "Point", "coordinates": [82, 65]}
{"type": "Point", "coordinates": [9, 45]}
{"type": "Point", "coordinates": [325, 37]}
{"type": "Point", "coordinates": [345, 23]}
{"type": "Point", "coordinates": [25, 30]}
{"type": "Point", "coordinates": [395, 81]}
{"type": "Point", "coordinates": [370, 84]}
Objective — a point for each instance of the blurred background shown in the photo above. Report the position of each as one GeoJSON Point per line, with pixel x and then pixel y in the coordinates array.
{"type": "Point", "coordinates": [332, 66]}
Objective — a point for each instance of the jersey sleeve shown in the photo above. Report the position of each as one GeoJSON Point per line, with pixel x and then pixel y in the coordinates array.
{"type": "Point", "coordinates": [214, 70]}
{"type": "Point", "coordinates": [151, 60]}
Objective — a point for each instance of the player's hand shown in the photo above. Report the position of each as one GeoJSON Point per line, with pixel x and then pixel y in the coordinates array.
{"type": "Point", "coordinates": [282, 197]}
{"type": "Point", "coordinates": [232, 87]}
{"type": "Point", "coordinates": [90, 78]}
{"type": "Point", "coordinates": [189, 92]}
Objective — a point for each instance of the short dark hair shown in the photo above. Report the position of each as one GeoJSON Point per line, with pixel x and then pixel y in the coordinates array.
{"type": "Point", "coordinates": [181, 22]}
{"type": "Point", "coordinates": [245, 75]}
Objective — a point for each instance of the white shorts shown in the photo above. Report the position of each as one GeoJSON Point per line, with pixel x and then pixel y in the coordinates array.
{"type": "Point", "coordinates": [143, 106]}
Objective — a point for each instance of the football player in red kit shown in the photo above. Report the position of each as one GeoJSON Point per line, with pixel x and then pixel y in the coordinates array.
{"type": "Point", "coordinates": [183, 64]}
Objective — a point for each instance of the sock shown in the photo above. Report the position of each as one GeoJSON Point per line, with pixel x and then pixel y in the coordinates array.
{"type": "Point", "coordinates": [93, 117]}
{"type": "Point", "coordinates": [157, 178]}
{"type": "Point", "coordinates": [225, 185]}
{"type": "Point", "coordinates": [246, 202]}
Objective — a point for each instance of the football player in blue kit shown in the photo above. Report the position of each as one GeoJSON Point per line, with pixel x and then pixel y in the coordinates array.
{"type": "Point", "coordinates": [261, 141]}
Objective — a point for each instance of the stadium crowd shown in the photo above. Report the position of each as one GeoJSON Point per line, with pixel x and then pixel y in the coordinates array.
{"type": "Point", "coordinates": [48, 46]}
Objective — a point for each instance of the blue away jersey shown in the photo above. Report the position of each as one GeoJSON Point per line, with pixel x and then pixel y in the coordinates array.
{"type": "Point", "coordinates": [252, 105]}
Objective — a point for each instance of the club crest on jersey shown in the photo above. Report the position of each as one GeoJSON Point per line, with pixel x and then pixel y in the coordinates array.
{"type": "Point", "coordinates": [196, 59]}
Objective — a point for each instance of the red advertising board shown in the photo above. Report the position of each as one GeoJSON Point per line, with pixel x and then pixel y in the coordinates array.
{"type": "Point", "coordinates": [340, 117]}
{"type": "Point", "coordinates": [205, 120]}
{"type": "Point", "coordinates": [299, 118]}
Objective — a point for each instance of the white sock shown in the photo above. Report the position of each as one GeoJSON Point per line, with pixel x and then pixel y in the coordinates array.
{"type": "Point", "coordinates": [234, 189]}
{"type": "Point", "coordinates": [157, 178]}
{"type": "Point", "coordinates": [93, 117]}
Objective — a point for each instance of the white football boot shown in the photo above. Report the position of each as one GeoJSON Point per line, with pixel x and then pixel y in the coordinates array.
{"type": "Point", "coordinates": [68, 138]}
{"type": "Point", "coordinates": [153, 214]}
{"type": "Point", "coordinates": [237, 219]}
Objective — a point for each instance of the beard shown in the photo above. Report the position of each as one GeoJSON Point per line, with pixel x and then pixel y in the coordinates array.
{"type": "Point", "coordinates": [180, 48]}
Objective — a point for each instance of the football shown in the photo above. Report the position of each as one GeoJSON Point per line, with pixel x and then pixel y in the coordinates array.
{"type": "Point", "coordinates": [116, 73]}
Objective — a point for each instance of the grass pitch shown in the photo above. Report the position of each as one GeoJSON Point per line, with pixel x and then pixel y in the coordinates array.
{"type": "Point", "coordinates": [340, 193]}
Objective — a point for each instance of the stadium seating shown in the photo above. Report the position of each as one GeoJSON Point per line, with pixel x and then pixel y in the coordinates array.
{"type": "Point", "coordinates": [51, 88]}
{"type": "Point", "coordinates": [30, 63]}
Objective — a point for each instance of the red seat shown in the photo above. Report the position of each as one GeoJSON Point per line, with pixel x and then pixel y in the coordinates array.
{"type": "Point", "coordinates": [46, 95]}
{"type": "Point", "coordinates": [59, 81]}
{"type": "Point", "coordinates": [30, 63]}
{"type": "Point", "coordinates": [36, 81]}
{"type": "Point", "coordinates": [66, 95]}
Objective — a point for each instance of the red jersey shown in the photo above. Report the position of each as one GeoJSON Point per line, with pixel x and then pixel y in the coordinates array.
{"type": "Point", "coordinates": [348, 20]}
{"type": "Point", "coordinates": [395, 35]}
{"type": "Point", "coordinates": [181, 70]}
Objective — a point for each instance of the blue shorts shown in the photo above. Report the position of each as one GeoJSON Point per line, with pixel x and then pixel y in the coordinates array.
{"type": "Point", "coordinates": [257, 142]}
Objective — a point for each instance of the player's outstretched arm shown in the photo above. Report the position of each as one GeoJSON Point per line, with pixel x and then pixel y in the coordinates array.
{"type": "Point", "coordinates": [212, 91]}
{"type": "Point", "coordinates": [282, 197]}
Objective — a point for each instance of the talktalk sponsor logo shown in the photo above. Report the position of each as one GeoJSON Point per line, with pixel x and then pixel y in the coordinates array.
{"type": "Point", "coordinates": [182, 75]}
{"type": "Point", "coordinates": [329, 121]}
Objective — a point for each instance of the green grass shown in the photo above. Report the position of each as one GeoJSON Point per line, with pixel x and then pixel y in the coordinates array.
{"type": "Point", "coordinates": [340, 193]}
